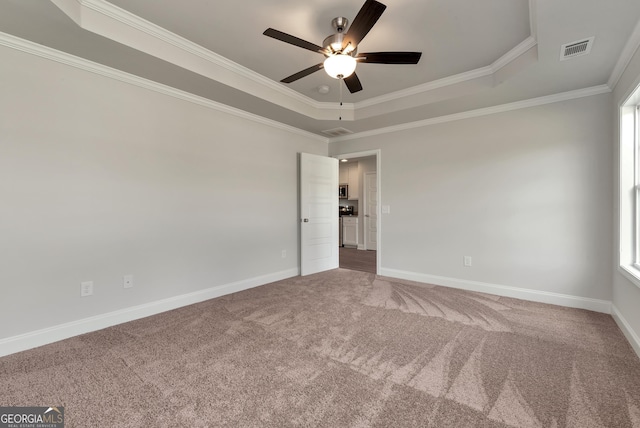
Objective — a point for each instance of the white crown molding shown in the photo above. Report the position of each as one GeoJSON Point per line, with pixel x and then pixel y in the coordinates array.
{"type": "Point", "coordinates": [630, 48]}
{"type": "Point", "coordinates": [426, 87]}
{"type": "Point", "coordinates": [522, 48]}
{"type": "Point", "coordinates": [45, 52]}
{"type": "Point", "coordinates": [127, 18]}
{"type": "Point", "coordinates": [564, 96]}
{"type": "Point", "coordinates": [134, 21]}
{"type": "Point", "coordinates": [110, 21]}
{"type": "Point", "coordinates": [478, 73]}
{"type": "Point", "coordinates": [28, 47]}
{"type": "Point", "coordinates": [533, 18]}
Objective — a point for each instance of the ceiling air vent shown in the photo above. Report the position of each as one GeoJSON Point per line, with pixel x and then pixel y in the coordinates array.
{"type": "Point", "coordinates": [577, 48]}
{"type": "Point", "coordinates": [337, 132]}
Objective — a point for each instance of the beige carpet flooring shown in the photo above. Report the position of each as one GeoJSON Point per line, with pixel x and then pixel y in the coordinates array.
{"type": "Point", "coordinates": [340, 349]}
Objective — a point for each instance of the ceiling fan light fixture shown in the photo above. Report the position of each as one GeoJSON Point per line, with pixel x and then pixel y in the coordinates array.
{"type": "Point", "coordinates": [341, 48]}
{"type": "Point", "coordinates": [340, 66]}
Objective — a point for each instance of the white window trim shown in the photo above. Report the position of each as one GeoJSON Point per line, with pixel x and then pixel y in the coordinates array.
{"type": "Point", "coordinates": [629, 188]}
{"type": "Point", "coordinates": [631, 273]}
{"type": "Point", "coordinates": [636, 177]}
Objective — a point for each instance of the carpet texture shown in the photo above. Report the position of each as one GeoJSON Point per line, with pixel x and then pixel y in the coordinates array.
{"type": "Point", "coordinates": [340, 349]}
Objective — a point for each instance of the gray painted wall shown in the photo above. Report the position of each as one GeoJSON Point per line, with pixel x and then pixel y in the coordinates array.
{"type": "Point", "coordinates": [99, 179]}
{"type": "Point", "coordinates": [526, 193]}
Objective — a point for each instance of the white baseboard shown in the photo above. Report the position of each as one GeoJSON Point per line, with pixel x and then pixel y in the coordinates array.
{"type": "Point", "coordinates": [48, 335]}
{"type": "Point", "coordinates": [628, 332]}
{"type": "Point", "coordinates": [595, 305]}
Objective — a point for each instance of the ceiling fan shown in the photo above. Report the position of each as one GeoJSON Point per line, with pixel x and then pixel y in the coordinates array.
{"type": "Point", "coordinates": [341, 48]}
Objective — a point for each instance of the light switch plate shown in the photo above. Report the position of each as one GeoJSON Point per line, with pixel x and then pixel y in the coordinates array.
{"type": "Point", "coordinates": [86, 288]}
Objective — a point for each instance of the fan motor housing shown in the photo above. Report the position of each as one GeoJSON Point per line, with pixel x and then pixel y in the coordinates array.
{"type": "Point", "coordinates": [333, 43]}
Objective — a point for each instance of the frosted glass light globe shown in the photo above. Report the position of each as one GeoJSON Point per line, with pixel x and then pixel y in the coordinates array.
{"type": "Point", "coordinates": [340, 66]}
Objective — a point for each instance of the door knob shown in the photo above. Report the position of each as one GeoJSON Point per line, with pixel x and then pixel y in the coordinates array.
{"type": "Point", "coordinates": [306, 220]}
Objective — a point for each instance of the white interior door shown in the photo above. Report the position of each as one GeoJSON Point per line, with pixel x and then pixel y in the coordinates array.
{"type": "Point", "coordinates": [371, 211]}
{"type": "Point", "coordinates": [319, 211]}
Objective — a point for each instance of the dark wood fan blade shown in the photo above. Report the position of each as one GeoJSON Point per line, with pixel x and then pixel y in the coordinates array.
{"type": "Point", "coordinates": [292, 40]}
{"type": "Point", "coordinates": [390, 57]}
{"type": "Point", "coordinates": [353, 83]}
{"type": "Point", "coordinates": [303, 73]}
{"type": "Point", "coordinates": [363, 22]}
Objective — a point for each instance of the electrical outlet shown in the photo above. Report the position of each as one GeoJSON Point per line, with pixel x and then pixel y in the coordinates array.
{"type": "Point", "coordinates": [127, 281]}
{"type": "Point", "coordinates": [86, 288]}
{"type": "Point", "coordinates": [284, 254]}
{"type": "Point", "coordinates": [468, 261]}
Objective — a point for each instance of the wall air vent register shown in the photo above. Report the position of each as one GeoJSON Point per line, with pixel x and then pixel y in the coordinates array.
{"type": "Point", "coordinates": [337, 132]}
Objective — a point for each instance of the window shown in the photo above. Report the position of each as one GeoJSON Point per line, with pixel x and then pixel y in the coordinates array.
{"type": "Point", "coordinates": [629, 185]}
{"type": "Point", "coordinates": [636, 189]}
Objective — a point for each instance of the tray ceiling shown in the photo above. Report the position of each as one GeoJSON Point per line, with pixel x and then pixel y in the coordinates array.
{"type": "Point", "coordinates": [476, 55]}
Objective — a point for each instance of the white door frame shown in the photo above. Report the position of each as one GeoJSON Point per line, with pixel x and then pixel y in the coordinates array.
{"type": "Point", "coordinates": [367, 216]}
{"type": "Point", "coordinates": [377, 153]}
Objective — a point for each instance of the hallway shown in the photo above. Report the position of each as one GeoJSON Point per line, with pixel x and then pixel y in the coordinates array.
{"type": "Point", "coordinates": [361, 260]}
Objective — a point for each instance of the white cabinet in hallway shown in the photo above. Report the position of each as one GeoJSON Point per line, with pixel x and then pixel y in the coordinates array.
{"type": "Point", "coordinates": [350, 231]}
{"type": "Point", "coordinates": [354, 181]}
{"type": "Point", "coordinates": [350, 175]}
{"type": "Point", "coordinates": [343, 173]}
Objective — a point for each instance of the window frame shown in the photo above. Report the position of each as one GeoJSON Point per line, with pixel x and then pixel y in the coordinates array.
{"type": "Point", "coordinates": [636, 190]}
{"type": "Point", "coordinates": [629, 188]}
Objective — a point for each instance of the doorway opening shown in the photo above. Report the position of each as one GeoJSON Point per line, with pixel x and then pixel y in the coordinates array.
{"type": "Point", "coordinates": [354, 259]}
{"type": "Point", "coordinates": [359, 209]}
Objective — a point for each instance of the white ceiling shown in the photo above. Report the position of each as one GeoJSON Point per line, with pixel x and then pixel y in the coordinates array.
{"type": "Point", "coordinates": [446, 31]}
{"type": "Point", "coordinates": [476, 54]}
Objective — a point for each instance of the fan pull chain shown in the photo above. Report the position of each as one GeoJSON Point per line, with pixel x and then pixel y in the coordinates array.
{"type": "Point", "coordinates": [340, 84]}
